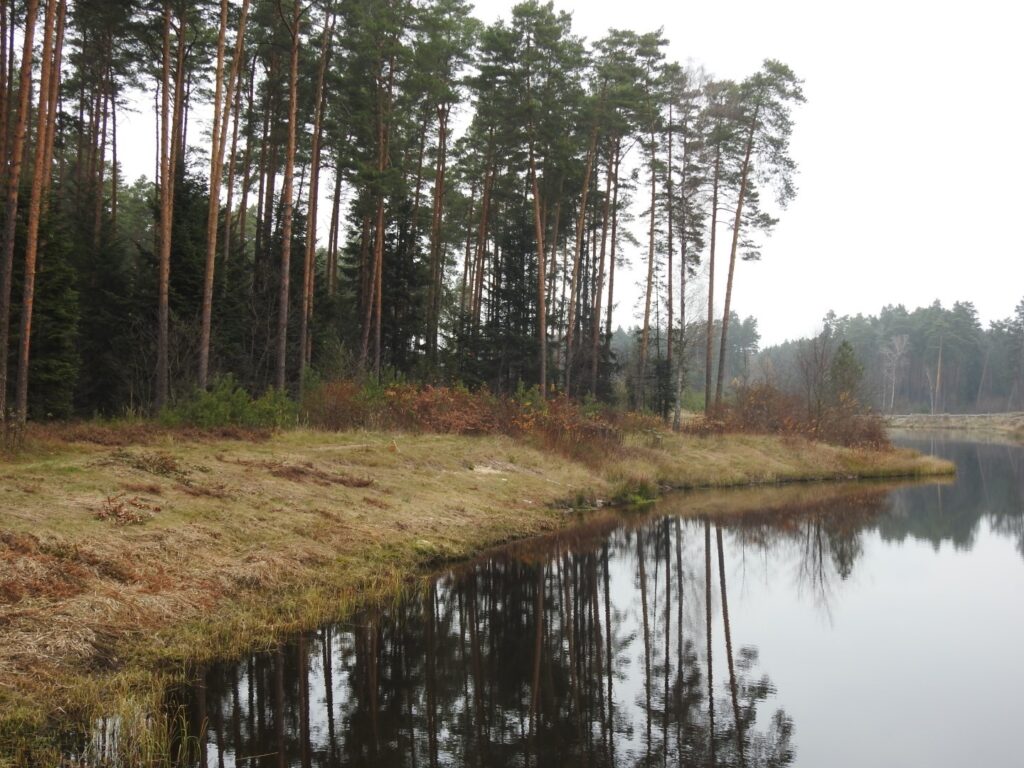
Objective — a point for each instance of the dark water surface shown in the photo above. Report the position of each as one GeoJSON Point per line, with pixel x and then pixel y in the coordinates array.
{"type": "Point", "coordinates": [843, 626]}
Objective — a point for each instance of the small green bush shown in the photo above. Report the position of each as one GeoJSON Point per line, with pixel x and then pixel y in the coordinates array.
{"type": "Point", "coordinates": [227, 403]}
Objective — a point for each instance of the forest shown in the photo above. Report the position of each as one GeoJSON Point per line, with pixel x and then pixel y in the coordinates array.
{"type": "Point", "coordinates": [929, 360]}
{"type": "Point", "coordinates": [384, 190]}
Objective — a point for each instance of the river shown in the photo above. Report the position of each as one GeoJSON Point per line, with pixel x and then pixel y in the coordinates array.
{"type": "Point", "coordinates": [857, 625]}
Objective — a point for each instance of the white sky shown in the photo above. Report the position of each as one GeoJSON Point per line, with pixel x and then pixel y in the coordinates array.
{"type": "Point", "coordinates": [911, 186]}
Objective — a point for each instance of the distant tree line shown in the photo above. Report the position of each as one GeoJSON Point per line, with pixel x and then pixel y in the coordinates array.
{"type": "Point", "coordinates": [673, 386]}
{"type": "Point", "coordinates": [486, 255]}
{"type": "Point", "coordinates": [932, 360]}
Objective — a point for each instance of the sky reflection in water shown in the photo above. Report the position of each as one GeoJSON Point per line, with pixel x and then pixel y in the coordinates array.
{"type": "Point", "coordinates": [849, 626]}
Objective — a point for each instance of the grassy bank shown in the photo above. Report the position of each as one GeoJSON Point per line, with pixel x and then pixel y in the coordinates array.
{"type": "Point", "coordinates": [128, 556]}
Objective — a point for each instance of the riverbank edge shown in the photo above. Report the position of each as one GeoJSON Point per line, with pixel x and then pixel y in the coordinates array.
{"type": "Point", "coordinates": [513, 490]}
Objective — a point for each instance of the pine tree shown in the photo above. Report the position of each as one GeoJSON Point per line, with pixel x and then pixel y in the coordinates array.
{"type": "Point", "coordinates": [765, 102]}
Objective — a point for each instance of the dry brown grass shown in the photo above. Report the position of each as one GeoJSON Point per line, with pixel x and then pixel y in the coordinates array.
{"type": "Point", "coordinates": [1006, 425]}
{"type": "Point", "coordinates": [683, 462]}
{"type": "Point", "coordinates": [239, 543]}
{"type": "Point", "coordinates": [134, 432]}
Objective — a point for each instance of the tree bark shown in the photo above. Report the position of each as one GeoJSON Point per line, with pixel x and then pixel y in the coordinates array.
{"type": "Point", "coordinates": [552, 244]}
{"type": "Point", "coordinates": [221, 106]}
{"type": "Point", "coordinates": [668, 213]}
{"type": "Point", "coordinates": [53, 38]}
{"type": "Point", "coordinates": [236, 112]}
{"type": "Point", "coordinates": [709, 351]}
{"type": "Point", "coordinates": [170, 136]}
{"type": "Point", "coordinates": [481, 248]}
{"type": "Point", "coordinates": [5, 92]}
{"type": "Point", "coordinates": [305, 342]}
{"type": "Point", "coordinates": [332, 246]}
{"type": "Point", "coordinates": [286, 222]}
{"type": "Point", "coordinates": [436, 265]}
{"type": "Point", "coordinates": [595, 328]}
{"type": "Point", "coordinates": [113, 159]}
{"type": "Point", "coordinates": [681, 363]}
{"type": "Point", "coordinates": [373, 320]}
{"type": "Point", "coordinates": [267, 172]}
{"type": "Point", "coordinates": [464, 294]}
{"type": "Point", "coordinates": [101, 161]}
{"type": "Point", "coordinates": [574, 288]}
{"type": "Point", "coordinates": [645, 333]}
{"type": "Point", "coordinates": [744, 176]}
{"type": "Point", "coordinates": [11, 202]}
{"type": "Point", "coordinates": [542, 313]}
{"type": "Point", "coordinates": [611, 256]}
{"type": "Point", "coordinates": [213, 208]}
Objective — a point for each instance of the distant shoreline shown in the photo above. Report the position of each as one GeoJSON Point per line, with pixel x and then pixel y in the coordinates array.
{"type": "Point", "coordinates": [1003, 424]}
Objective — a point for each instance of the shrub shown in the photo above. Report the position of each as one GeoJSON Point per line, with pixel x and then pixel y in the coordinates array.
{"type": "Point", "coordinates": [227, 403]}
{"type": "Point", "coordinates": [335, 405]}
{"type": "Point", "coordinates": [446, 410]}
{"type": "Point", "coordinates": [557, 424]}
{"type": "Point", "coordinates": [764, 409]}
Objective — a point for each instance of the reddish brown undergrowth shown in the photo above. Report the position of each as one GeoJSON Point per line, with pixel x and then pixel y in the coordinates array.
{"type": "Point", "coordinates": [764, 409]}
{"type": "Point", "coordinates": [559, 424]}
{"type": "Point", "coordinates": [119, 433]}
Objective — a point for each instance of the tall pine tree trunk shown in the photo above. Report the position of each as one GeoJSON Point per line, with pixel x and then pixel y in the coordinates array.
{"type": "Point", "coordinates": [615, 238]}
{"type": "Point", "coordinates": [101, 162]}
{"type": "Point", "coordinates": [681, 362]}
{"type": "Point", "coordinates": [305, 342]}
{"type": "Point", "coordinates": [286, 192]}
{"type": "Point", "coordinates": [668, 271]}
{"type": "Point", "coordinates": [5, 92]}
{"type": "Point", "coordinates": [542, 312]}
{"type": "Point", "coordinates": [552, 244]}
{"type": "Point", "coordinates": [265, 164]}
{"type": "Point", "coordinates": [709, 351]}
{"type": "Point", "coordinates": [221, 108]}
{"type": "Point", "coordinates": [646, 332]}
{"type": "Point", "coordinates": [332, 245]}
{"type": "Point", "coordinates": [595, 330]}
{"type": "Point", "coordinates": [213, 207]}
{"type": "Point", "coordinates": [744, 176]}
{"type": "Point", "coordinates": [464, 295]}
{"type": "Point", "coordinates": [574, 288]}
{"type": "Point", "coordinates": [113, 160]}
{"type": "Point", "coordinates": [436, 265]}
{"type": "Point", "coordinates": [481, 248]}
{"type": "Point", "coordinates": [373, 320]}
{"type": "Point", "coordinates": [170, 137]}
{"type": "Point", "coordinates": [53, 37]}
{"type": "Point", "coordinates": [243, 205]}
{"type": "Point", "coordinates": [236, 111]}
{"type": "Point", "coordinates": [11, 202]}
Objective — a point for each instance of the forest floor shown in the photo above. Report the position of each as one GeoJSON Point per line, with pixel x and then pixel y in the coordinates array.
{"type": "Point", "coordinates": [129, 556]}
{"type": "Point", "coordinates": [1002, 424]}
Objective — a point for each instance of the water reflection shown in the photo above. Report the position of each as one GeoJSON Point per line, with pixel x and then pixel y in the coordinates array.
{"type": "Point", "coordinates": [610, 646]}
{"type": "Point", "coordinates": [632, 640]}
{"type": "Point", "coordinates": [989, 487]}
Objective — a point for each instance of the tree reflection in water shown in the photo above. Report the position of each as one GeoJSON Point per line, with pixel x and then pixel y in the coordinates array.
{"type": "Point", "coordinates": [599, 649]}
{"type": "Point", "coordinates": [610, 644]}
{"type": "Point", "coordinates": [989, 486]}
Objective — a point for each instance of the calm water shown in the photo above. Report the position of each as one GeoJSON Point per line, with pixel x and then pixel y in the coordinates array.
{"type": "Point", "coordinates": [851, 626]}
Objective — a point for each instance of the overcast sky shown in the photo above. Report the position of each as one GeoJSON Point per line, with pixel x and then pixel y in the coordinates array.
{"type": "Point", "coordinates": [911, 185]}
